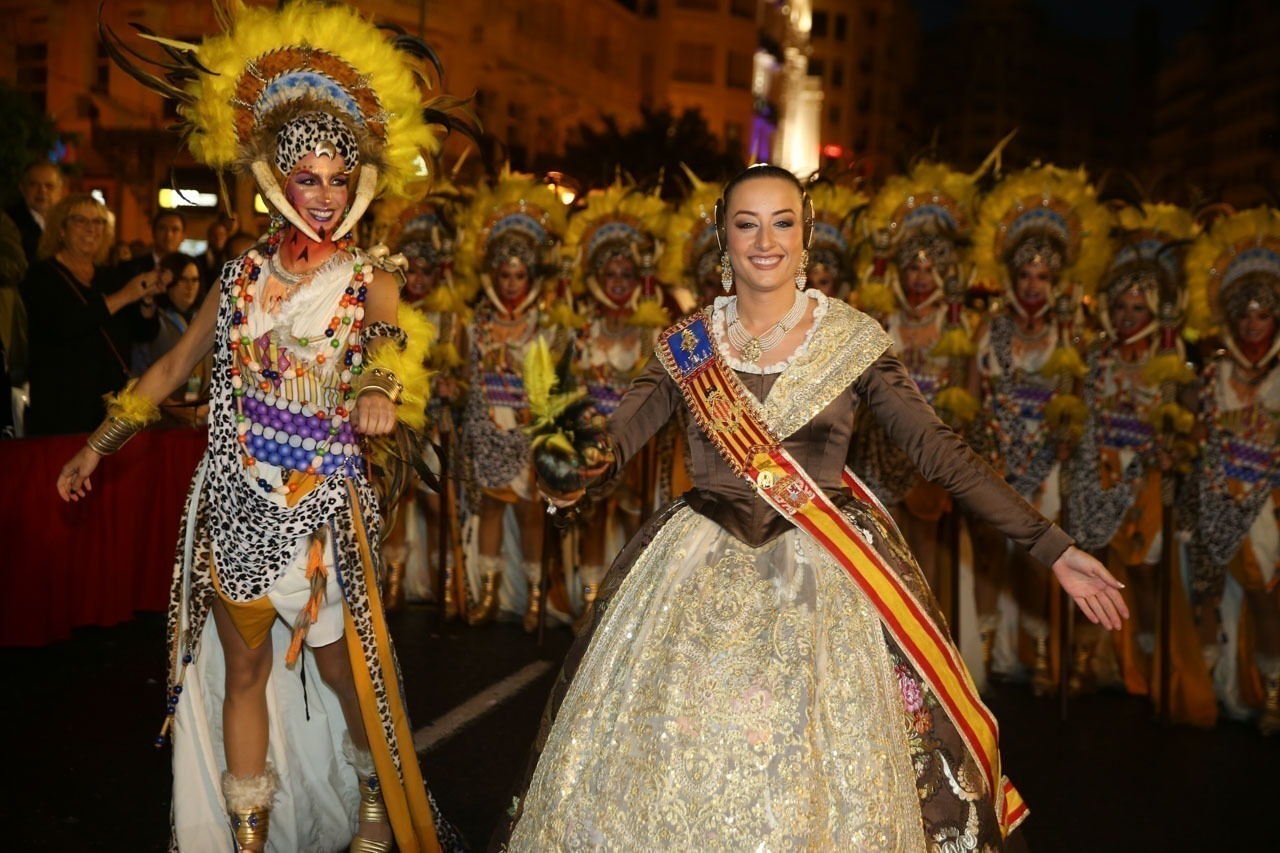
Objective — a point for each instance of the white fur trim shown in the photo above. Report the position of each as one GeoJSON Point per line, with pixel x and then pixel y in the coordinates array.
{"type": "Point", "coordinates": [360, 759]}
{"type": "Point", "coordinates": [250, 792]}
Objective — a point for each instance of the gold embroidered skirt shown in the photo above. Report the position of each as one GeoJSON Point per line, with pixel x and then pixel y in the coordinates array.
{"type": "Point", "coordinates": [731, 698]}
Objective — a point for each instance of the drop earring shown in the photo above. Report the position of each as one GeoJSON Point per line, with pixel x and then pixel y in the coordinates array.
{"type": "Point", "coordinates": [802, 274]}
{"type": "Point", "coordinates": [726, 272]}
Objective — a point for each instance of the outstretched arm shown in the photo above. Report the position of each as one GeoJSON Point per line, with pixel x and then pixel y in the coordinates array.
{"type": "Point", "coordinates": [944, 458]}
{"type": "Point", "coordinates": [160, 381]}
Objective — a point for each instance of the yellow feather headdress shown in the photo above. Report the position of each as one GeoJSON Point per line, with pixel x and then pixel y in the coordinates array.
{"type": "Point", "coordinates": [1237, 252]}
{"type": "Point", "coordinates": [1043, 203]}
{"type": "Point", "coordinates": [691, 248]}
{"type": "Point", "coordinates": [835, 209]}
{"type": "Point", "coordinates": [615, 219]}
{"type": "Point", "coordinates": [931, 195]}
{"type": "Point", "coordinates": [1146, 260]}
{"type": "Point", "coordinates": [236, 90]}
{"type": "Point", "coordinates": [516, 216]}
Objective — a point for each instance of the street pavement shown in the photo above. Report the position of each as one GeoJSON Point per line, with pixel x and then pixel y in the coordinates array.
{"type": "Point", "coordinates": [79, 719]}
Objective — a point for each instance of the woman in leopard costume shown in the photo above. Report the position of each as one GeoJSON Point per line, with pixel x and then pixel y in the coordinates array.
{"type": "Point", "coordinates": [317, 370]}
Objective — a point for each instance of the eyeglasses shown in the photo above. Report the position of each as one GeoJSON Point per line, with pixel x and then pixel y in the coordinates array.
{"type": "Point", "coordinates": [88, 221]}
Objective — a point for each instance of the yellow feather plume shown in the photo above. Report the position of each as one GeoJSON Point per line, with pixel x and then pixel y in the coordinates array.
{"type": "Point", "coordinates": [1064, 361]}
{"type": "Point", "coordinates": [650, 314]}
{"type": "Point", "coordinates": [1181, 419]}
{"type": "Point", "coordinates": [875, 298]}
{"type": "Point", "coordinates": [956, 405]}
{"type": "Point", "coordinates": [1167, 367]}
{"type": "Point", "coordinates": [954, 343]}
{"type": "Point", "coordinates": [540, 382]}
{"type": "Point", "coordinates": [928, 183]}
{"type": "Point", "coordinates": [409, 365]}
{"type": "Point", "coordinates": [128, 405]}
{"type": "Point", "coordinates": [561, 314]}
{"type": "Point", "coordinates": [1066, 413]}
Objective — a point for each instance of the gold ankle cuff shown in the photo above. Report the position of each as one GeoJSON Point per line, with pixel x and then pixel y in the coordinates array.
{"type": "Point", "coordinates": [372, 810]}
{"type": "Point", "coordinates": [249, 826]}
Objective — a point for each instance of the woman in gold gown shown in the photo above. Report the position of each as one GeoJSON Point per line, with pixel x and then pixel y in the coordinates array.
{"type": "Point", "coordinates": [766, 668]}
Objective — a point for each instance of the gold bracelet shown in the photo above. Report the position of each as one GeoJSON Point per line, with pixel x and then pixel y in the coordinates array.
{"type": "Point", "coordinates": [112, 434]}
{"type": "Point", "coordinates": [384, 382]}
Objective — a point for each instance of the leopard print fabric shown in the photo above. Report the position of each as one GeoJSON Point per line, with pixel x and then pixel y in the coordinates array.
{"type": "Point", "coordinates": [304, 134]}
{"type": "Point", "coordinates": [254, 539]}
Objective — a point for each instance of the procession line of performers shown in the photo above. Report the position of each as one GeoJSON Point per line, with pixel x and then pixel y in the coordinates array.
{"type": "Point", "coordinates": [1108, 359]}
{"type": "Point", "coordinates": [377, 417]}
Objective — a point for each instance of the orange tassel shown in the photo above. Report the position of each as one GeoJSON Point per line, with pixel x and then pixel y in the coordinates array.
{"type": "Point", "coordinates": [295, 646]}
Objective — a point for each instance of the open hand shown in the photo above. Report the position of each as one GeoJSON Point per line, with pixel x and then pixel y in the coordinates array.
{"type": "Point", "coordinates": [73, 481]}
{"type": "Point", "coordinates": [1094, 588]}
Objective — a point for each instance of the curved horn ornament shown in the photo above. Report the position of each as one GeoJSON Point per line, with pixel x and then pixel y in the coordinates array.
{"type": "Point", "coordinates": [364, 197]}
{"type": "Point", "coordinates": [272, 193]}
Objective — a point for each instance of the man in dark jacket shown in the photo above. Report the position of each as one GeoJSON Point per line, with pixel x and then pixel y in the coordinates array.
{"type": "Point", "coordinates": [41, 188]}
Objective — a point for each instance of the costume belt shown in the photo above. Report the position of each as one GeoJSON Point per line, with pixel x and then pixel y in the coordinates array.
{"type": "Point", "coordinates": [728, 417]}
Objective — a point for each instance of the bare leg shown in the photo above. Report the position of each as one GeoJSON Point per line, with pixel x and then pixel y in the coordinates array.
{"type": "Point", "coordinates": [244, 708]}
{"type": "Point", "coordinates": [334, 664]}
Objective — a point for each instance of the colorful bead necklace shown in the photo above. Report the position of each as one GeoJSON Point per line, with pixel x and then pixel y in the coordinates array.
{"type": "Point", "coordinates": [350, 314]}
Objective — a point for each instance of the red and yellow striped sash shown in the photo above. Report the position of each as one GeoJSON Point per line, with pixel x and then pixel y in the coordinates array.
{"type": "Point", "coordinates": [729, 417]}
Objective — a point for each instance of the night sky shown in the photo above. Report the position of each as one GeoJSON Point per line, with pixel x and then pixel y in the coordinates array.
{"type": "Point", "coordinates": [1096, 18]}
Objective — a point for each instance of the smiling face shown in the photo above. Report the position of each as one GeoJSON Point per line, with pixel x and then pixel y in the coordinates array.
{"type": "Point", "coordinates": [1255, 330]}
{"type": "Point", "coordinates": [618, 279]}
{"type": "Point", "coordinates": [84, 230]}
{"type": "Point", "coordinates": [421, 278]}
{"type": "Point", "coordinates": [1130, 314]}
{"type": "Point", "coordinates": [317, 189]}
{"type": "Point", "coordinates": [1032, 286]}
{"type": "Point", "coordinates": [511, 282]}
{"type": "Point", "coordinates": [765, 233]}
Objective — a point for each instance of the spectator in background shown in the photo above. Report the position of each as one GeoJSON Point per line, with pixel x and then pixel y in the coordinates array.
{"type": "Point", "coordinates": [81, 327]}
{"type": "Point", "coordinates": [175, 309]}
{"type": "Point", "coordinates": [13, 317]}
{"type": "Point", "coordinates": [215, 253]}
{"type": "Point", "coordinates": [40, 188]}
{"type": "Point", "coordinates": [239, 243]}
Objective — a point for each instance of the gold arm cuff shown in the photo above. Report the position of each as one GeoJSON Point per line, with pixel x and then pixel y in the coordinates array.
{"type": "Point", "coordinates": [112, 434]}
{"type": "Point", "coordinates": [382, 381]}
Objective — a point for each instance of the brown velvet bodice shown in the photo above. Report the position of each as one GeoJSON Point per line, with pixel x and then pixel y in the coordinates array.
{"type": "Point", "coordinates": [821, 447]}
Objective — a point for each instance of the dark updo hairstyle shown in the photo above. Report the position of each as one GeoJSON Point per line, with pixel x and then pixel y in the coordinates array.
{"type": "Point", "coordinates": [751, 173]}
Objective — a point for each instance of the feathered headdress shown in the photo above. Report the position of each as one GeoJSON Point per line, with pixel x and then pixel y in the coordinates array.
{"type": "Point", "coordinates": [1147, 260]}
{"type": "Point", "coordinates": [517, 219]}
{"type": "Point", "coordinates": [924, 213]}
{"type": "Point", "coordinates": [617, 222]}
{"type": "Point", "coordinates": [1233, 265]}
{"type": "Point", "coordinates": [306, 77]}
{"type": "Point", "coordinates": [835, 208]}
{"type": "Point", "coordinates": [691, 252]}
{"type": "Point", "coordinates": [1042, 213]}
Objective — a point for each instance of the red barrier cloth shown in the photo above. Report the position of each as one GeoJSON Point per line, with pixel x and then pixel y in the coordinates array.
{"type": "Point", "coordinates": [99, 560]}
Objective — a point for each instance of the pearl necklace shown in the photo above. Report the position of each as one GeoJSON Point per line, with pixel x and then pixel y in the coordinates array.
{"type": "Point", "coordinates": [752, 348]}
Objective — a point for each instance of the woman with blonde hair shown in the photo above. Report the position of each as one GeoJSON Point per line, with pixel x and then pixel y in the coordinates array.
{"type": "Point", "coordinates": [80, 331]}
